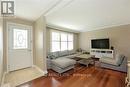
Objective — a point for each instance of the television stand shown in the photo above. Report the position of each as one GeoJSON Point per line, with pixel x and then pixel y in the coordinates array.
{"type": "Point", "coordinates": [99, 53]}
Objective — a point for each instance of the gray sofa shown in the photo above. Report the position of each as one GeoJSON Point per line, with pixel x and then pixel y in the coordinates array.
{"type": "Point", "coordinates": [119, 63]}
{"type": "Point", "coordinates": [62, 64]}
{"type": "Point", "coordinates": [62, 61]}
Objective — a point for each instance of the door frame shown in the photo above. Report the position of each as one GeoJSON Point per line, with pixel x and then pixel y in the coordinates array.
{"type": "Point", "coordinates": [7, 43]}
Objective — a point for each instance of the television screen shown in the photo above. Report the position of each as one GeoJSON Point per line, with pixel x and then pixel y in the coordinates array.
{"type": "Point", "coordinates": [100, 43]}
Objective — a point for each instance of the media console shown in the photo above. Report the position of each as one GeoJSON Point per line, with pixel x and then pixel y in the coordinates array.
{"type": "Point", "coordinates": [100, 53]}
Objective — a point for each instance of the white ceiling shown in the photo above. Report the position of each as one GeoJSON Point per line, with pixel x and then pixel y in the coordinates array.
{"type": "Point", "coordinates": [33, 9]}
{"type": "Point", "coordinates": [79, 15]}
{"type": "Point", "coordinates": [87, 15]}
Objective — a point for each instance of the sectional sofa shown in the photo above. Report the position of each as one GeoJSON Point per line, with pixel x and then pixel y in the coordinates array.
{"type": "Point", "coordinates": [62, 61]}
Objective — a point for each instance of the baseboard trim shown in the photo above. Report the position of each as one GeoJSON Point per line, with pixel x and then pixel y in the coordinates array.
{"type": "Point", "coordinates": [44, 72]}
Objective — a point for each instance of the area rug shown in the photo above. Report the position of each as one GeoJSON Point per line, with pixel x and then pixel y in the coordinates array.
{"type": "Point", "coordinates": [22, 76]}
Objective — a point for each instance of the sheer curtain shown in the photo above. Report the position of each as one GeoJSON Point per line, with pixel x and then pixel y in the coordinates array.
{"type": "Point", "coordinates": [55, 41]}
{"type": "Point", "coordinates": [61, 41]}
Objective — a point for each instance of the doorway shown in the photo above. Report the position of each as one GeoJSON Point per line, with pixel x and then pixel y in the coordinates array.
{"type": "Point", "coordinates": [20, 46]}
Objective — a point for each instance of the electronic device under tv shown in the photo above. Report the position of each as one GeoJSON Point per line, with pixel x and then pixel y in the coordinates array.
{"type": "Point", "coordinates": [100, 43]}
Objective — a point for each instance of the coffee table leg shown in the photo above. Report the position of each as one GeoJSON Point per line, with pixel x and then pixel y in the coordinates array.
{"type": "Point", "coordinates": [87, 65]}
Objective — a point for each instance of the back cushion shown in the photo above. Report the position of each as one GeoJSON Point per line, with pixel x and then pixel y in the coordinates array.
{"type": "Point", "coordinates": [63, 53]}
{"type": "Point", "coordinates": [56, 54]}
{"type": "Point", "coordinates": [50, 56]}
{"type": "Point", "coordinates": [71, 52]}
{"type": "Point", "coordinates": [119, 58]}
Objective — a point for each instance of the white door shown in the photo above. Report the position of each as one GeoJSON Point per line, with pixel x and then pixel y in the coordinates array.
{"type": "Point", "coordinates": [19, 47]}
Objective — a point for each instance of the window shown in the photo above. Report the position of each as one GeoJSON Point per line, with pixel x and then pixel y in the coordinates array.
{"type": "Point", "coordinates": [70, 41]}
{"type": "Point", "coordinates": [61, 41]}
{"type": "Point", "coordinates": [55, 41]}
{"type": "Point", "coordinates": [20, 39]}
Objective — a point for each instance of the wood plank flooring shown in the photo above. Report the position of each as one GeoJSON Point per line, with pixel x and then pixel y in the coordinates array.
{"type": "Point", "coordinates": [81, 76]}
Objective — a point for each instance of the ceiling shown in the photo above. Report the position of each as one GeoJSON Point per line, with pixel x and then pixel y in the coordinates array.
{"type": "Point", "coordinates": [33, 9]}
{"type": "Point", "coordinates": [78, 15]}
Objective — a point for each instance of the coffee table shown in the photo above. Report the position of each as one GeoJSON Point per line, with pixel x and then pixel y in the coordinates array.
{"type": "Point", "coordinates": [85, 59]}
{"type": "Point", "coordinates": [85, 56]}
{"type": "Point", "coordinates": [95, 60]}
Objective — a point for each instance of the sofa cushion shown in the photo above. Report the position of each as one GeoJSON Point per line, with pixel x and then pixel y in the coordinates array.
{"type": "Point", "coordinates": [109, 61]}
{"type": "Point", "coordinates": [63, 53]}
{"type": "Point", "coordinates": [73, 55]}
{"type": "Point", "coordinates": [119, 58]}
{"type": "Point", "coordinates": [113, 61]}
{"type": "Point", "coordinates": [63, 62]}
{"type": "Point", "coordinates": [71, 52]}
{"type": "Point", "coordinates": [56, 54]}
{"type": "Point", "coordinates": [53, 55]}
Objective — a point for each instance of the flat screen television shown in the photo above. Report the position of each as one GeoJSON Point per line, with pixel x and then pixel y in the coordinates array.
{"type": "Point", "coordinates": [100, 43]}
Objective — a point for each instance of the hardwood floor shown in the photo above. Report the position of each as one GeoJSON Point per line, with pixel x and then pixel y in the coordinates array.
{"type": "Point", "coordinates": [81, 76]}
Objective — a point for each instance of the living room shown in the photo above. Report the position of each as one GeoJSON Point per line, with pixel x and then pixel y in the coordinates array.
{"type": "Point", "coordinates": [65, 43]}
{"type": "Point", "coordinates": [106, 53]}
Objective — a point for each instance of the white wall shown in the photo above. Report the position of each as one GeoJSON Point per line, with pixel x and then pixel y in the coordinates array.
{"type": "Point", "coordinates": [119, 38]}
{"type": "Point", "coordinates": [40, 43]}
{"type": "Point", "coordinates": [1, 49]}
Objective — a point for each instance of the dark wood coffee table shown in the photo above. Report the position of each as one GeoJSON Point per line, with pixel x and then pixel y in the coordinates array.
{"type": "Point", "coordinates": [95, 60]}
{"type": "Point", "coordinates": [76, 58]}
{"type": "Point", "coordinates": [85, 59]}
